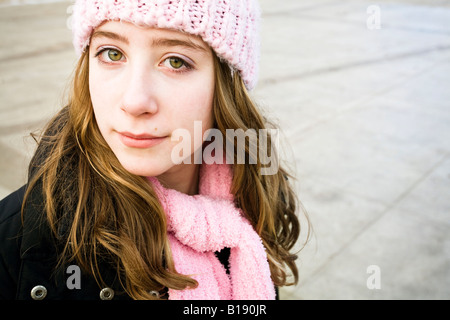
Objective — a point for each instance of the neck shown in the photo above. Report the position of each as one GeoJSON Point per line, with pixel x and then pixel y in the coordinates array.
{"type": "Point", "coordinates": [183, 178]}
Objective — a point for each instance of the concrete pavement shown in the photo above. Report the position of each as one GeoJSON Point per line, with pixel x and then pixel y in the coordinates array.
{"type": "Point", "coordinates": [362, 99]}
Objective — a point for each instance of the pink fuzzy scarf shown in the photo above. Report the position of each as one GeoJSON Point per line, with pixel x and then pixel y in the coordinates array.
{"type": "Point", "coordinates": [202, 224]}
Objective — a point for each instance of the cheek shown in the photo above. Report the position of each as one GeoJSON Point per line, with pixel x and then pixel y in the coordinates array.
{"type": "Point", "coordinates": [196, 103]}
{"type": "Point", "coordinates": [200, 118]}
{"type": "Point", "coordinates": [96, 90]}
{"type": "Point", "coordinates": [200, 108]}
{"type": "Point", "coordinates": [102, 97]}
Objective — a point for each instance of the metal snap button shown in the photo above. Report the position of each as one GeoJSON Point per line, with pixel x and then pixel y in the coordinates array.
{"type": "Point", "coordinates": [107, 294]}
{"type": "Point", "coordinates": [38, 293]}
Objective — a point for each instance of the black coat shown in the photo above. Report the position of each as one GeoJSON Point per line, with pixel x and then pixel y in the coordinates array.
{"type": "Point", "coordinates": [28, 259]}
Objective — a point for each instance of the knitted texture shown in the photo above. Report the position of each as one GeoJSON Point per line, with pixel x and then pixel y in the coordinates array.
{"type": "Point", "coordinates": [230, 27]}
{"type": "Point", "coordinates": [202, 224]}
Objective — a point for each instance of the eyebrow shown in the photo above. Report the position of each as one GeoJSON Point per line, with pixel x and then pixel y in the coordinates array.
{"type": "Point", "coordinates": [159, 42]}
{"type": "Point", "coordinates": [165, 42]}
{"type": "Point", "coordinates": [111, 35]}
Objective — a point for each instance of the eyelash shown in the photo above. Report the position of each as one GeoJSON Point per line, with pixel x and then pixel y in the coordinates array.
{"type": "Point", "coordinates": [186, 66]}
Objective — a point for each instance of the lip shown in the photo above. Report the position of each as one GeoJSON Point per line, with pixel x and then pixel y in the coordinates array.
{"type": "Point", "coordinates": [140, 141]}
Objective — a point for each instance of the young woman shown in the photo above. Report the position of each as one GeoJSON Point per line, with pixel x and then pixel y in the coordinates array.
{"type": "Point", "coordinates": [108, 212]}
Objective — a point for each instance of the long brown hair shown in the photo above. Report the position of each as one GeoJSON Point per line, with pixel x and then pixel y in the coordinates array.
{"type": "Point", "coordinates": [100, 212]}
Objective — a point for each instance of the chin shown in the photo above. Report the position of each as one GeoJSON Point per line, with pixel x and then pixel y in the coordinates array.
{"type": "Point", "coordinates": [144, 170]}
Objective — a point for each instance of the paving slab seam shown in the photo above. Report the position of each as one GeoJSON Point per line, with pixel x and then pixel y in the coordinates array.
{"type": "Point", "coordinates": [375, 220]}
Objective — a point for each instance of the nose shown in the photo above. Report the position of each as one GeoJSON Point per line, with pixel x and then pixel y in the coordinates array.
{"type": "Point", "coordinates": [139, 97]}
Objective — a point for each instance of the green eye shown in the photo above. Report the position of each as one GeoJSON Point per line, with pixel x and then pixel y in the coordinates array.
{"type": "Point", "coordinates": [114, 55]}
{"type": "Point", "coordinates": [176, 63]}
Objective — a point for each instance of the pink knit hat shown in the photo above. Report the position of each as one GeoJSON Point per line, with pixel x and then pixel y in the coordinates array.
{"type": "Point", "coordinates": [230, 27]}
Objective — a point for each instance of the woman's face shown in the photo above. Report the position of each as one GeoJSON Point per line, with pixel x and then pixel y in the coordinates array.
{"type": "Point", "coordinates": [145, 83]}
